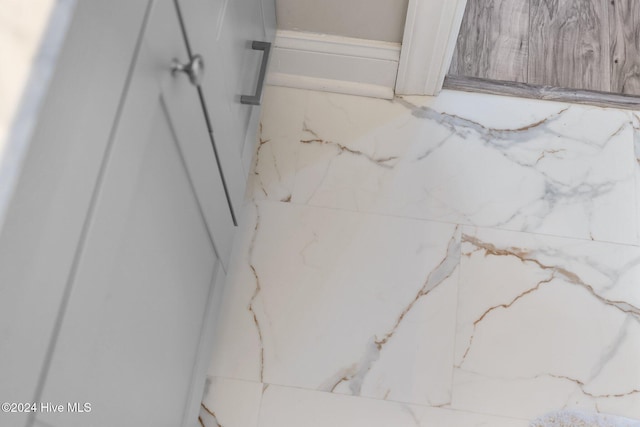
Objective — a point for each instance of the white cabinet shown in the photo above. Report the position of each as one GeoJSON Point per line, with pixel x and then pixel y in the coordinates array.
{"type": "Point", "coordinates": [109, 278]}
{"type": "Point", "coordinates": [223, 32]}
{"type": "Point", "coordinates": [134, 321]}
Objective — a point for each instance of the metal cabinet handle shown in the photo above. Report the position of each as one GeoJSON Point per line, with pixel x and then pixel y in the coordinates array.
{"type": "Point", "coordinates": [194, 69]}
{"type": "Point", "coordinates": [255, 99]}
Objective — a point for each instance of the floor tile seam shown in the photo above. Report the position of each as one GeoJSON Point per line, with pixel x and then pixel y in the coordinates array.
{"type": "Point", "coordinates": [395, 402]}
{"type": "Point", "coordinates": [233, 378]}
{"type": "Point", "coordinates": [267, 384]}
{"type": "Point", "coordinates": [443, 222]}
{"type": "Point", "coordinates": [244, 381]}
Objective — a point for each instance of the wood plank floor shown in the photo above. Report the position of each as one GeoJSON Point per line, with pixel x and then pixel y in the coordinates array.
{"type": "Point", "coordinates": [493, 41]}
{"type": "Point", "coordinates": [591, 45]}
{"type": "Point", "coordinates": [624, 34]}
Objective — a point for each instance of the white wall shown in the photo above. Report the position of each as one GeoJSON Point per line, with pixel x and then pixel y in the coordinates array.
{"type": "Point", "coordinates": [367, 19]}
{"type": "Point", "coordinates": [23, 24]}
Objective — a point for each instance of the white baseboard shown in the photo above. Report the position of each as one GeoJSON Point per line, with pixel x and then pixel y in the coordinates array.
{"type": "Point", "coordinates": [334, 64]}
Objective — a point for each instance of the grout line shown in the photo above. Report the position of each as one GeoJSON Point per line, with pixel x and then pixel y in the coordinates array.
{"type": "Point", "coordinates": [437, 221]}
{"type": "Point", "coordinates": [373, 399]}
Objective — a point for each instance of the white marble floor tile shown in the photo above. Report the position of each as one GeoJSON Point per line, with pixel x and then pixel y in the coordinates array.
{"type": "Point", "coordinates": [546, 323]}
{"type": "Point", "coordinates": [635, 117]}
{"type": "Point", "coordinates": [230, 403]}
{"type": "Point", "coordinates": [475, 159]}
{"type": "Point", "coordinates": [335, 290]}
{"type": "Point", "coordinates": [341, 301]}
{"type": "Point", "coordinates": [289, 407]}
{"type": "Point", "coordinates": [275, 159]}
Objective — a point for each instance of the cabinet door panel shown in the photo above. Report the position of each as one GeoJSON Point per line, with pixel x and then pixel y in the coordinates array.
{"type": "Point", "coordinates": [269, 18]}
{"type": "Point", "coordinates": [241, 25]}
{"type": "Point", "coordinates": [133, 338]}
{"type": "Point", "coordinates": [232, 70]}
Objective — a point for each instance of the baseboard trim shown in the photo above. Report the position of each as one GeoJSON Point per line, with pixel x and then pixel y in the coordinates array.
{"type": "Point", "coordinates": [334, 64]}
{"type": "Point", "coordinates": [330, 85]}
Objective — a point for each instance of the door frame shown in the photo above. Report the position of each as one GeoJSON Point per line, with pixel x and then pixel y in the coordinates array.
{"type": "Point", "coordinates": [430, 34]}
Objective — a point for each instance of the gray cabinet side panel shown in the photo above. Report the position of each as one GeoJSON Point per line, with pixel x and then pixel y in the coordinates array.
{"type": "Point", "coordinates": [45, 218]}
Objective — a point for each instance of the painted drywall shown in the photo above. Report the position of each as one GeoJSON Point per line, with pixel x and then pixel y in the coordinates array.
{"type": "Point", "coordinates": [22, 25]}
{"type": "Point", "coordinates": [366, 19]}
{"type": "Point", "coordinates": [31, 35]}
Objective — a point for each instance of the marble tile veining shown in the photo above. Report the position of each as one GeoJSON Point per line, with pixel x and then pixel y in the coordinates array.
{"type": "Point", "coordinates": [275, 159]}
{"type": "Point", "coordinates": [472, 159]}
{"type": "Point", "coordinates": [230, 403]}
{"type": "Point", "coordinates": [330, 300]}
{"type": "Point", "coordinates": [465, 260]}
{"type": "Point", "coordinates": [547, 323]}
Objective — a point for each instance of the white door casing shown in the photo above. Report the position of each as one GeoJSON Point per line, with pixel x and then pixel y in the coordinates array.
{"type": "Point", "coordinates": [373, 68]}
{"type": "Point", "coordinates": [430, 34]}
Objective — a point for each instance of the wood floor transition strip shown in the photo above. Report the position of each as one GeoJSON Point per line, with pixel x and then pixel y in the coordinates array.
{"type": "Point", "coordinates": [549, 93]}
